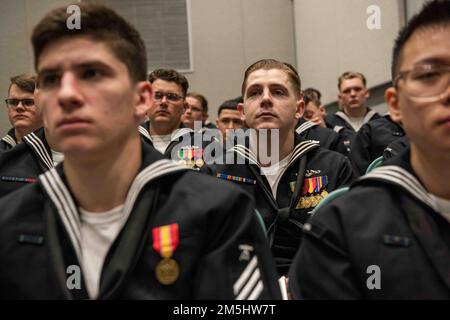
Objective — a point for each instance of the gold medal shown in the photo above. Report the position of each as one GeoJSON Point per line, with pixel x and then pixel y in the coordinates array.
{"type": "Point", "coordinates": [182, 162]}
{"type": "Point", "coordinates": [167, 271]}
{"type": "Point", "coordinates": [307, 202]}
{"type": "Point", "coordinates": [300, 203]}
{"type": "Point", "coordinates": [199, 162]}
{"type": "Point", "coordinates": [314, 201]}
{"type": "Point", "coordinates": [324, 194]}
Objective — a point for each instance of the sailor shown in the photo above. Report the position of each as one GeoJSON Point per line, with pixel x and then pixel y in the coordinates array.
{"type": "Point", "coordinates": [23, 114]}
{"type": "Point", "coordinates": [165, 130]}
{"type": "Point", "coordinates": [116, 219]}
{"type": "Point", "coordinates": [286, 187]}
{"type": "Point", "coordinates": [389, 236]}
{"type": "Point", "coordinates": [371, 140]}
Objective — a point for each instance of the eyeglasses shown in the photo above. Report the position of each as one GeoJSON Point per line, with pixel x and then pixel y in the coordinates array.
{"type": "Point", "coordinates": [13, 103]}
{"type": "Point", "coordinates": [425, 83]}
{"type": "Point", "coordinates": [172, 97]}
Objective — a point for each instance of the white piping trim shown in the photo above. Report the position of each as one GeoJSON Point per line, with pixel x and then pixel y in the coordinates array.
{"type": "Point", "coordinates": [305, 126]}
{"type": "Point", "coordinates": [37, 144]}
{"type": "Point", "coordinates": [404, 179]}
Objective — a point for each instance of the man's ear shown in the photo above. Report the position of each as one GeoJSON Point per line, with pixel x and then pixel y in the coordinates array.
{"type": "Point", "coordinates": [144, 100]}
{"type": "Point", "coordinates": [240, 108]}
{"type": "Point", "coordinates": [300, 107]}
{"type": "Point", "coordinates": [322, 110]}
{"type": "Point", "coordinates": [391, 98]}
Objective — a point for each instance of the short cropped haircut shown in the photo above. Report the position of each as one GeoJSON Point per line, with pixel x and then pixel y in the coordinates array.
{"type": "Point", "coordinates": [200, 98]}
{"type": "Point", "coordinates": [24, 82]}
{"type": "Point", "coordinates": [351, 75]}
{"type": "Point", "coordinates": [433, 14]}
{"type": "Point", "coordinates": [312, 95]}
{"type": "Point", "coordinates": [230, 105]}
{"type": "Point", "coordinates": [170, 75]}
{"type": "Point", "coordinates": [268, 64]}
{"type": "Point", "coordinates": [100, 23]}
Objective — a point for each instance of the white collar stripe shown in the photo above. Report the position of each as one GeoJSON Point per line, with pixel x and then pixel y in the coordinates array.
{"type": "Point", "coordinates": [151, 172]}
{"type": "Point", "coordinates": [246, 153]}
{"type": "Point", "coordinates": [403, 178]}
{"type": "Point", "coordinates": [9, 140]}
{"type": "Point", "coordinates": [301, 149]}
{"type": "Point", "coordinates": [62, 209]}
{"type": "Point", "coordinates": [145, 133]}
{"type": "Point", "coordinates": [298, 151]}
{"type": "Point", "coordinates": [305, 126]}
{"type": "Point", "coordinates": [39, 147]}
{"type": "Point", "coordinates": [60, 196]}
{"type": "Point", "coordinates": [180, 132]}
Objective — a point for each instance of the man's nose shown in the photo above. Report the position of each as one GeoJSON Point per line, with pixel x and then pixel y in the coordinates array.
{"type": "Point", "coordinates": [266, 98]}
{"type": "Point", "coordinates": [69, 95]}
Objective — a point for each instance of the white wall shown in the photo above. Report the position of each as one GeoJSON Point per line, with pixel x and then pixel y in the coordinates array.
{"type": "Point", "coordinates": [17, 19]}
{"type": "Point", "coordinates": [332, 37]}
{"type": "Point", "coordinates": [227, 36]}
{"type": "Point", "coordinates": [230, 35]}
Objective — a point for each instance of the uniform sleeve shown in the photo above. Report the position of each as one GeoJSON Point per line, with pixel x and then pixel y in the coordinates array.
{"type": "Point", "coordinates": [346, 173]}
{"type": "Point", "coordinates": [321, 268]}
{"type": "Point", "coordinates": [238, 262]}
{"type": "Point", "coordinates": [360, 154]}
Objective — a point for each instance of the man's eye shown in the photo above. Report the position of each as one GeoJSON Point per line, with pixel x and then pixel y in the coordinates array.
{"type": "Point", "coordinates": [48, 80]}
{"type": "Point", "coordinates": [427, 76]}
{"type": "Point", "coordinates": [253, 93]}
{"type": "Point", "coordinates": [90, 73]}
{"type": "Point", "coordinates": [278, 92]}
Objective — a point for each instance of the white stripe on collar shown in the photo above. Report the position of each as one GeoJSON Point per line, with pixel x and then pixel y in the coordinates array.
{"type": "Point", "coordinates": [145, 133]}
{"type": "Point", "coordinates": [9, 140]}
{"type": "Point", "coordinates": [175, 135]}
{"type": "Point", "coordinates": [38, 145]}
{"type": "Point", "coordinates": [402, 178]}
{"type": "Point", "coordinates": [65, 204]}
{"type": "Point", "coordinates": [367, 117]}
{"type": "Point", "coordinates": [305, 126]}
{"type": "Point", "coordinates": [299, 150]}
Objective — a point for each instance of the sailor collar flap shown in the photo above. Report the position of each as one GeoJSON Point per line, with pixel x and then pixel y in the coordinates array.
{"type": "Point", "coordinates": [37, 142]}
{"type": "Point", "coordinates": [54, 185]}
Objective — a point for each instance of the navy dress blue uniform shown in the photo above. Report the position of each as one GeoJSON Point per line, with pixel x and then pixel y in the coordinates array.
{"type": "Point", "coordinates": [371, 140]}
{"type": "Point", "coordinates": [284, 215]}
{"type": "Point", "coordinates": [222, 251]}
{"type": "Point", "coordinates": [9, 141]}
{"type": "Point", "coordinates": [328, 138]}
{"type": "Point", "coordinates": [25, 162]}
{"type": "Point", "coordinates": [386, 220]}
{"type": "Point", "coordinates": [189, 148]}
{"type": "Point", "coordinates": [340, 123]}
{"type": "Point", "coordinates": [396, 147]}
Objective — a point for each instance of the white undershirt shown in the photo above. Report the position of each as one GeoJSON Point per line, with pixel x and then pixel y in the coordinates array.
{"type": "Point", "coordinates": [443, 206]}
{"type": "Point", "coordinates": [57, 157]}
{"type": "Point", "coordinates": [356, 123]}
{"type": "Point", "coordinates": [161, 142]}
{"type": "Point", "coordinates": [98, 232]}
{"type": "Point", "coordinates": [274, 172]}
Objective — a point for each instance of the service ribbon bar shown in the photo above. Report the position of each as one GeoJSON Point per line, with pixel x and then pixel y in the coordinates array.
{"type": "Point", "coordinates": [235, 178]}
